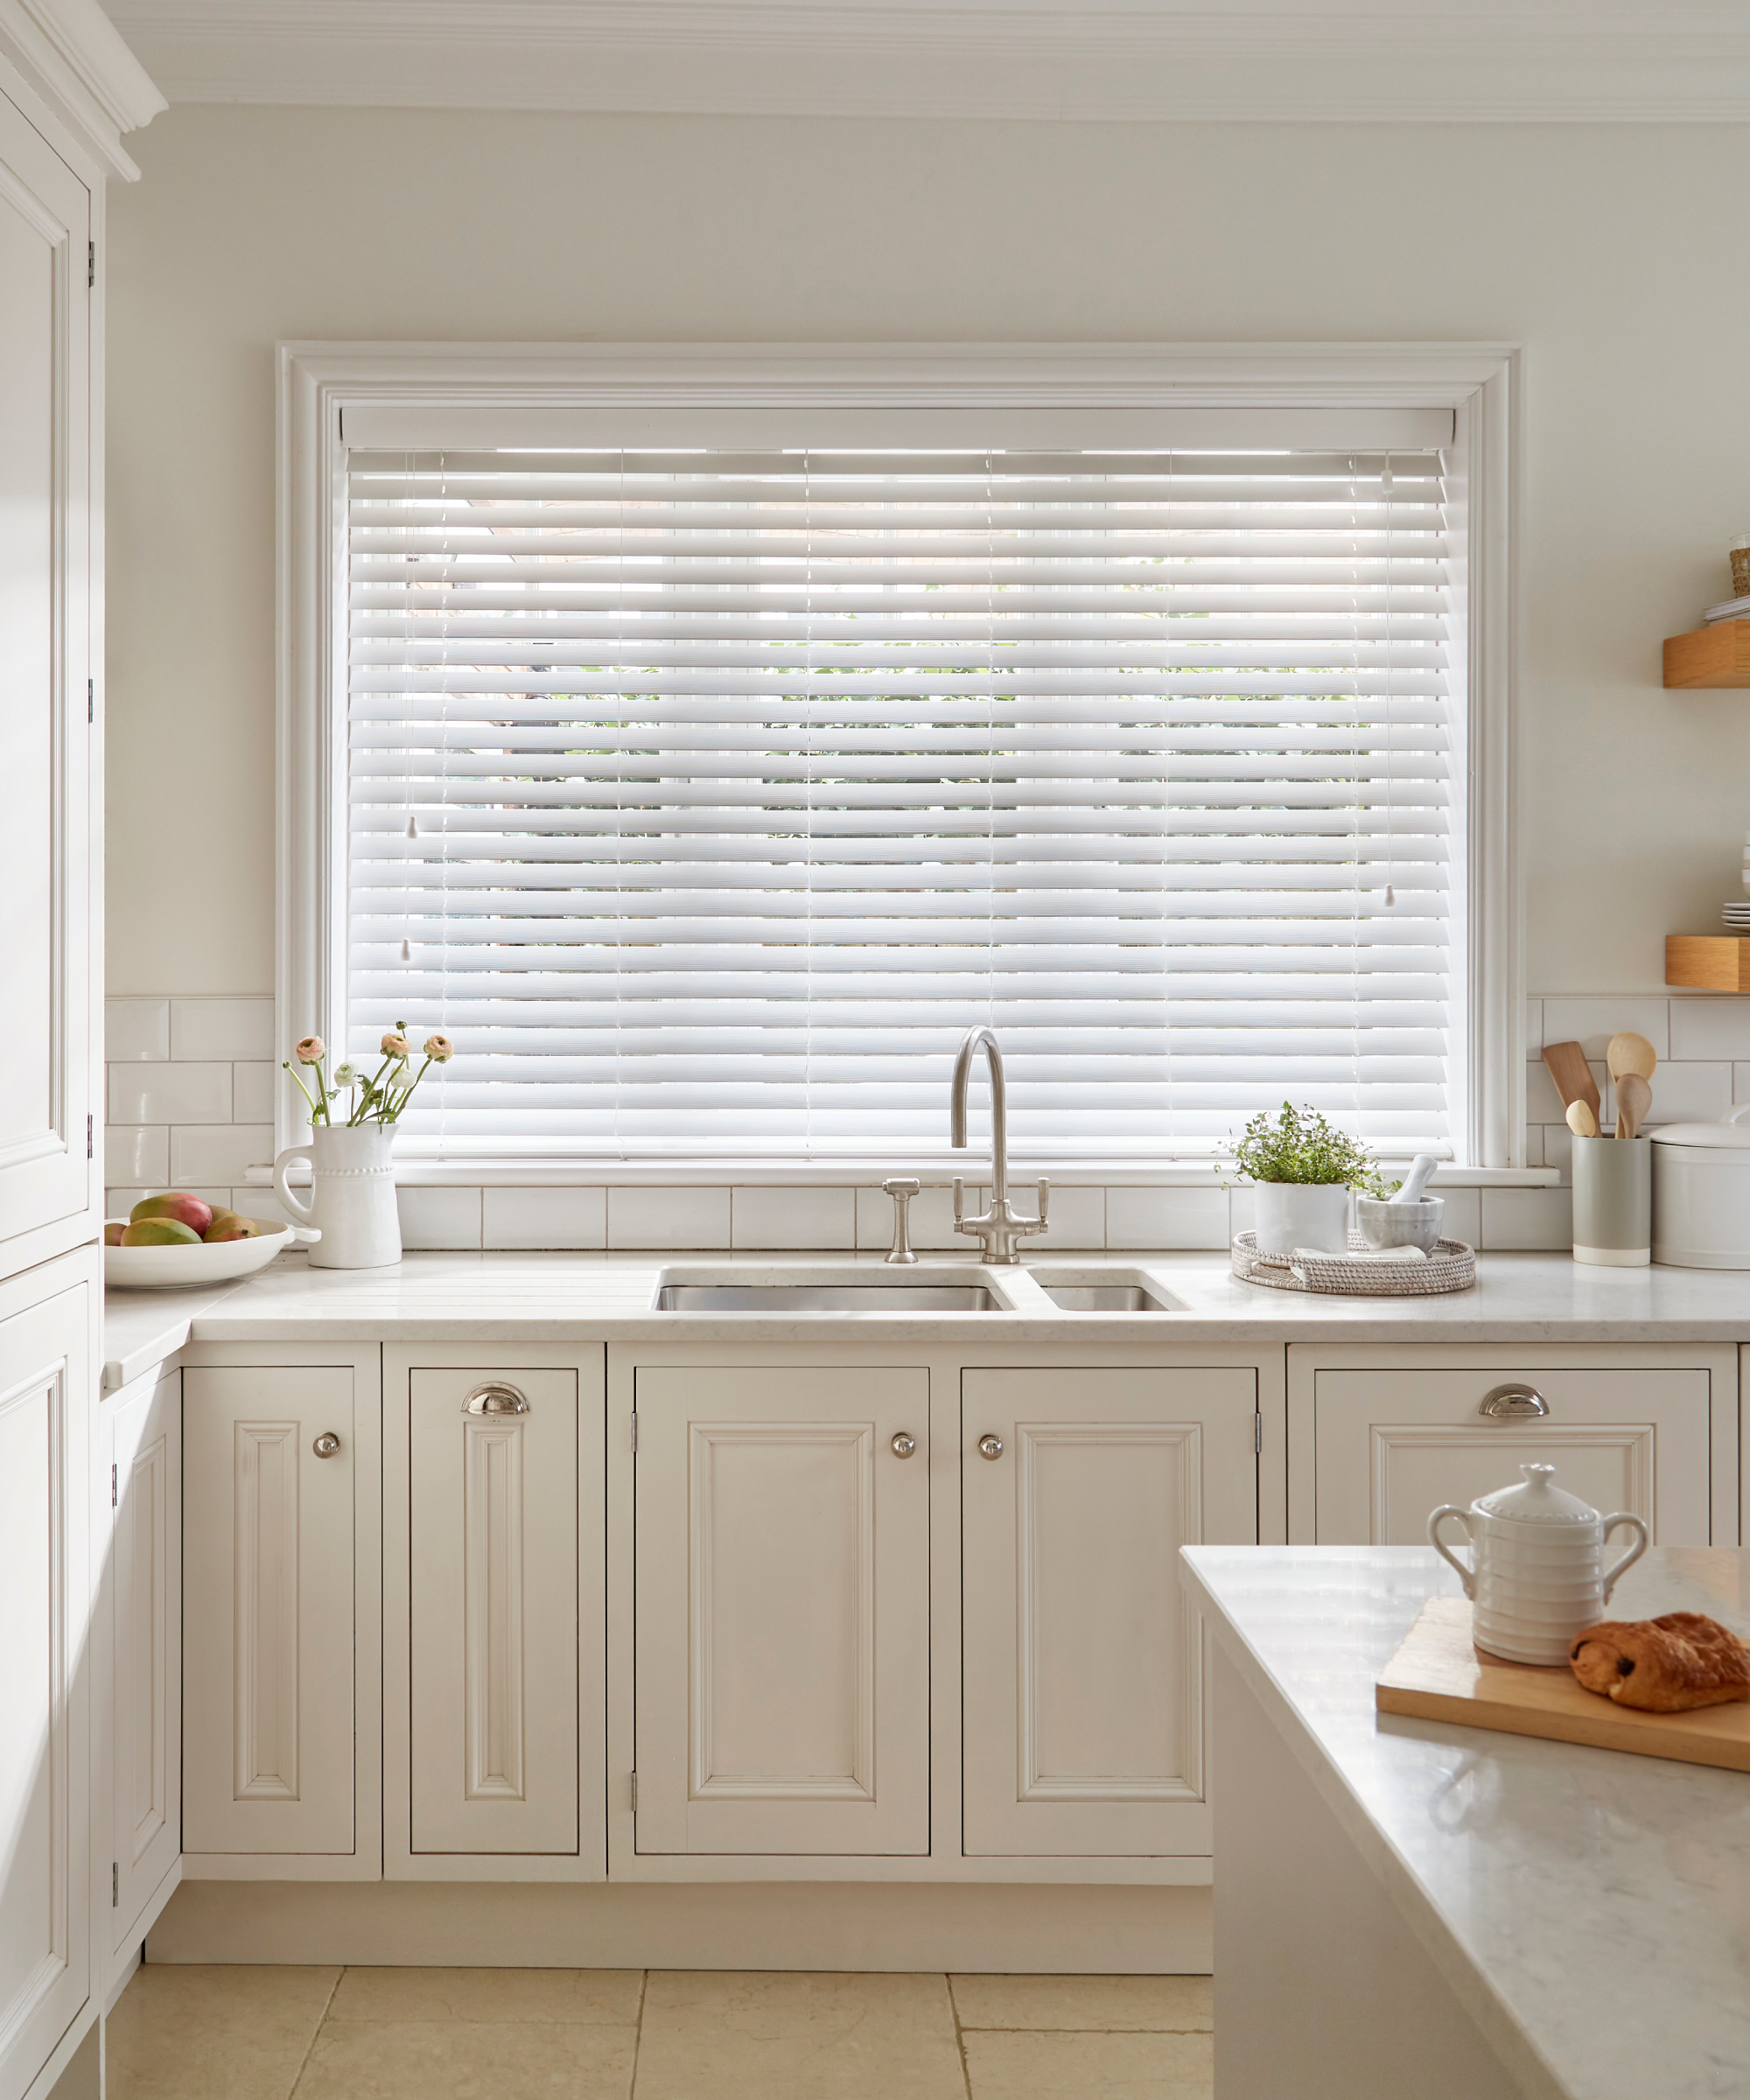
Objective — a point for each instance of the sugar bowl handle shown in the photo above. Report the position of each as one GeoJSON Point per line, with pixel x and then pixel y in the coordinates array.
{"type": "Point", "coordinates": [1447, 1553]}
{"type": "Point", "coordinates": [1613, 1575]}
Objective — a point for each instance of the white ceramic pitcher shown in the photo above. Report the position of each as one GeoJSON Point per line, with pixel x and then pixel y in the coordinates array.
{"type": "Point", "coordinates": [1536, 1576]}
{"type": "Point", "coordinates": [352, 1195]}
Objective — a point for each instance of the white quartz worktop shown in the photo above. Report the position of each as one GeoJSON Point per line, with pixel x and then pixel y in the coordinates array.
{"type": "Point", "coordinates": [1519, 1297]}
{"type": "Point", "coordinates": [1592, 1909]}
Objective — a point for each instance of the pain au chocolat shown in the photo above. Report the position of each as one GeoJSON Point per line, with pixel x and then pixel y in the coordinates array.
{"type": "Point", "coordinates": [1662, 1665]}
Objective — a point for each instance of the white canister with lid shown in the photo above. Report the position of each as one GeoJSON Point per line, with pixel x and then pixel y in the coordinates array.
{"type": "Point", "coordinates": [1701, 1193]}
{"type": "Point", "coordinates": [1536, 1576]}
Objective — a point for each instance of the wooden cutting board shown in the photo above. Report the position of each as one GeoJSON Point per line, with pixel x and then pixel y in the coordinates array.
{"type": "Point", "coordinates": [1438, 1675]}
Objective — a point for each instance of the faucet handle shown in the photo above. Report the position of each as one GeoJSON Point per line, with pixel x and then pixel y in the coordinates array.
{"type": "Point", "coordinates": [959, 1202]}
{"type": "Point", "coordinates": [1039, 1224]}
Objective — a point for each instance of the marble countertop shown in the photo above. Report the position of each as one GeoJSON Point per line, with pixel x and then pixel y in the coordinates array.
{"type": "Point", "coordinates": [1519, 1297]}
{"type": "Point", "coordinates": [1591, 1908]}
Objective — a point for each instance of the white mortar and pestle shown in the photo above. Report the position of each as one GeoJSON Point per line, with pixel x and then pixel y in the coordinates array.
{"type": "Point", "coordinates": [1407, 1219]}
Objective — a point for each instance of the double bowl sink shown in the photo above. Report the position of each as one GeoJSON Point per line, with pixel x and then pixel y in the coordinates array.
{"type": "Point", "coordinates": [893, 1293]}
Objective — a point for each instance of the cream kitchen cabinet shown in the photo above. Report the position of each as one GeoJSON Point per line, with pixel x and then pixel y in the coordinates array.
{"type": "Point", "coordinates": [46, 1369]}
{"type": "Point", "coordinates": [782, 1609]}
{"type": "Point", "coordinates": [282, 1659]}
{"type": "Point", "coordinates": [1083, 1710]}
{"type": "Point", "coordinates": [495, 1675]}
{"type": "Point", "coordinates": [142, 1427]}
{"type": "Point", "coordinates": [1379, 1436]}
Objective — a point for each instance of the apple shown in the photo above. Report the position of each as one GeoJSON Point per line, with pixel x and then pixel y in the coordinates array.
{"type": "Point", "coordinates": [186, 1210]}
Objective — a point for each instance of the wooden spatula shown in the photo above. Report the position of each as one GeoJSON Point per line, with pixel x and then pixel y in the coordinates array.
{"type": "Point", "coordinates": [1572, 1075]}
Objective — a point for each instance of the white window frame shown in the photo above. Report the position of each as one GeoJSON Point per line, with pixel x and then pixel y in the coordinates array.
{"type": "Point", "coordinates": [317, 382]}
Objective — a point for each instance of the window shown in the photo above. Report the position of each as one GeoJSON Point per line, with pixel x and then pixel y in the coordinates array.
{"type": "Point", "coordinates": [705, 791]}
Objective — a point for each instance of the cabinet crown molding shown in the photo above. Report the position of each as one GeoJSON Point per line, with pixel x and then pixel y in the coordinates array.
{"type": "Point", "coordinates": [72, 56]}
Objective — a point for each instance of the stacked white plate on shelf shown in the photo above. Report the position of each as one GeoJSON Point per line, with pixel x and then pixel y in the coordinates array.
{"type": "Point", "coordinates": [1737, 915]}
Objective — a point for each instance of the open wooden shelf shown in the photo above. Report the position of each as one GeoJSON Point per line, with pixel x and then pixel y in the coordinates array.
{"type": "Point", "coordinates": [1718, 655]}
{"type": "Point", "coordinates": [1708, 962]}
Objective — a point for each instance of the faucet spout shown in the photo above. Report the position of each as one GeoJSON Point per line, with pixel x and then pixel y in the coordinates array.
{"type": "Point", "coordinates": [1000, 1229]}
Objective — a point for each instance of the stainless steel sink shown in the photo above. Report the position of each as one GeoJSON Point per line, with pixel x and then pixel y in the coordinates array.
{"type": "Point", "coordinates": [1102, 1298]}
{"type": "Point", "coordinates": [827, 1297]}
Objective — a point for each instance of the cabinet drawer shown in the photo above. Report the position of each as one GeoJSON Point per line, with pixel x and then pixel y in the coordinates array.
{"type": "Point", "coordinates": [1392, 1443]}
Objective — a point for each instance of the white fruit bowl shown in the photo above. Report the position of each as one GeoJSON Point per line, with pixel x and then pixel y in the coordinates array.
{"type": "Point", "coordinates": [180, 1268]}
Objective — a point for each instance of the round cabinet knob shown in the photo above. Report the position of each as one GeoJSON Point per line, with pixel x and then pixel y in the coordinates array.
{"type": "Point", "coordinates": [903, 1446]}
{"type": "Point", "coordinates": [326, 1444]}
{"type": "Point", "coordinates": [990, 1447]}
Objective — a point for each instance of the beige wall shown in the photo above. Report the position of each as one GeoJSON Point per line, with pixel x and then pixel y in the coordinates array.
{"type": "Point", "coordinates": [1614, 254]}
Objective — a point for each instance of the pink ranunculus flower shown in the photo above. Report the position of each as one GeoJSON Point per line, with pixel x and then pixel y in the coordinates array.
{"type": "Point", "coordinates": [394, 1045]}
{"type": "Point", "coordinates": [439, 1049]}
{"type": "Point", "coordinates": [311, 1051]}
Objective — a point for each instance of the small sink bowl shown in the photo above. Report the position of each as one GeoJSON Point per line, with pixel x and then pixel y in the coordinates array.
{"type": "Point", "coordinates": [1088, 1291]}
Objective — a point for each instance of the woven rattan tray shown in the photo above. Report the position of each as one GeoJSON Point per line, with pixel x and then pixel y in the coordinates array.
{"type": "Point", "coordinates": [1452, 1266]}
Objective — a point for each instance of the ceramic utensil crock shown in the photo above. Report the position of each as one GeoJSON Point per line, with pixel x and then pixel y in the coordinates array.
{"type": "Point", "coordinates": [1536, 1576]}
{"type": "Point", "coordinates": [352, 1195]}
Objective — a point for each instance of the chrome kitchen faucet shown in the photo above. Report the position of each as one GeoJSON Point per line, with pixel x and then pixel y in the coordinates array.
{"type": "Point", "coordinates": [1000, 1229]}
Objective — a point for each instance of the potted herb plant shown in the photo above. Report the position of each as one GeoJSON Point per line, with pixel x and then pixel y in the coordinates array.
{"type": "Point", "coordinates": [1302, 1172]}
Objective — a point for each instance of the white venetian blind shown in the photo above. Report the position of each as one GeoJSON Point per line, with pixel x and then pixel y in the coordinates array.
{"type": "Point", "coordinates": [705, 797]}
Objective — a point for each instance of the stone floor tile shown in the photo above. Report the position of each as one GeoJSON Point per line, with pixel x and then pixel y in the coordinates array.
{"type": "Point", "coordinates": [722, 2035]}
{"type": "Point", "coordinates": [463, 2059]}
{"type": "Point", "coordinates": [1161, 2005]}
{"type": "Point", "coordinates": [214, 2034]}
{"type": "Point", "coordinates": [590, 1997]}
{"type": "Point", "coordinates": [1090, 2067]}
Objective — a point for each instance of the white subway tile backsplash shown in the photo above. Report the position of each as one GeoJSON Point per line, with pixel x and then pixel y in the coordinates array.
{"type": "Point", "coordinates": [1462, 1218]}
{"type": "Point", "coordinates": [1592, 1022]}
{"type": "Point", "coordinates": [435, 1218]}
{"type": "Point", "coordinates": [252, 1092]}
{"type": "Point", "coordinates": [135, 1030]}
{"type": "Point", "coordinates": [136, 1155]}
{"type": "Point", "coordinates": [1687, 1093]}
{"type": "Point", "coordinates": [544, 1217]}
{"type": "Point", "coordinates": [1559, 1148]}
{"type": "Point", "coordinates": [221, 1028]}
{"type": "Point", "coordinates": [169, 1094]}
{"type": "Point", "coordinates": [1709, 1027]}
{"type": "Point", "coordinates": [1143, 1218]}
{"type": "Point", "coordinates": [761, 1216]}
{"type": "Point", "coordinates": [1527, 1218]}
{"type": "Point", "coordinates": [1543, 1104]}
{"type": "Point", "coordinates": [262, 1204]}
{"type": "Point", "coordinates": [218, 1151]}
{"type": "Point", "coordinates": [930, 1219]}
{"type": "Point", "coordinates": [660, 1217]}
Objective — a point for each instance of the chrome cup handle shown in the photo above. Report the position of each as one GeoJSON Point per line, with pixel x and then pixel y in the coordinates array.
{"type": "Point", "coordinates": [1613, 1575]}
{"type": "Point", "coordinates": [1447, 1509]}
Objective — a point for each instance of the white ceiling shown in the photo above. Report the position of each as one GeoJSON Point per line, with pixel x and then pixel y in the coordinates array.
{"type": "Point", "coordinates": [1404, 61]}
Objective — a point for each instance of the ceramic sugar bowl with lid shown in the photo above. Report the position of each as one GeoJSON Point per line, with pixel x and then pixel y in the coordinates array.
{"type": "Point", "coordinates": [1536, 1576]}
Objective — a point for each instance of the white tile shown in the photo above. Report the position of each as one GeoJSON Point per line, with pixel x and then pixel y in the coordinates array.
{"type": "Point", "coordinates": [545, 1217]}
{"type": "Point", "coordinates": [1591, 1023]}
{"type": "Point", "coordinates": [930, 1219]}
{"type": "Point", "coordinates": [1709, 1027]}
{"type": "Point", "coordinates": [1240, 1214]}
{"type": "Point", "coordinates": [763, 1216]}
{"type": "Point", "coordinates": [227, 1028]}
{"type": "Point", "coordinates": [645, 1216]}
{"type": "Point", "coordinates": [439, 1217]}
{"type": "Point", "coordinates": [171, 1094]}
{"type": "Point", "coordinates": [1543, 1104]}
{"type": "Point", "coordinates": [218, 1151]}
{"type": "Point", "coordinates": [1740, 1082]}
{"type": "Point", "coordinates": [1687, 1093]}
{"type": "Point", "coordinates": [1462, 1218]}
{"type": "Point", "coordinates": [1558, 1149]}
{"type": "Point", "coordinates": [254, 1202]}
{"type": "Point", "coordinates": [136, 1029]}
{"type": "Point", "coordinates": [136, 1155]}
{"type": "Point", "coordinates": [252, 1092]}
{"type": "Point", "coordinates": [1533, 1142]}
{"type": "Point", "coordinates": [1534, 1026]}
{"type": "Point", "coordinates": [1076, 1215]}
{"type": "Point", "coordinates": [1528, 1217]}
{"type": "Point", "coordinates": [1144, 1217]}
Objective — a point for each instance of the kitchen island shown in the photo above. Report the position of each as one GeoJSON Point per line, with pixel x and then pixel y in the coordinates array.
{"type": "Point", "coordinates": [1405, 1907]}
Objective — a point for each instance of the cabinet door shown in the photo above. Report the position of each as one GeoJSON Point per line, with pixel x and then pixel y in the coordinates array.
{"type": "Point", "coordinates": [145, 1592]}
{"type": "Point", "coordinates": [493, 1612]}
{"type": "Point", "coordinates": [1083, 1662]}
{"type": "Point", "coordinates": [1389, 1445]}
{"type": "Point", "coordinates": [782, 1611]}
{"type": "Point", "coordinates": [269, 1581]}
{"type": "Point", "coordinates": [45, 648]}
{"type": "Point", "coordinates": [44, 1801]}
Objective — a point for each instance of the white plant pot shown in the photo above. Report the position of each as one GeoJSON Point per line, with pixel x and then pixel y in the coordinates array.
{"type": "Point", "coordinates": [1287, 1215]}
{"type": "Point", "coordinates": [352, 1195]}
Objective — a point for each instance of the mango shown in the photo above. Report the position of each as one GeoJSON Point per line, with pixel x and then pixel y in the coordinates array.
{"type": "Point", "coordinates": [226, 1225]}
{"type": "Point", "coordinates": [186, 1210]}
{"type": "Point", "coordinates": [112, 1232]}
{"type": "Point", "coordinates": [160, 1232]}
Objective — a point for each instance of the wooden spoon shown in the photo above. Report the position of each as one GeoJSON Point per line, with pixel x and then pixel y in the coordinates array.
{"type": "Point", "coordinates": [1631, 1053]}
{"type": "Point", "coordinates": [1581, 1121]}
{"type": "Point", "coordinates": [1571, 1074]}
{"type": "Point", "coordinates": [1634, 1098]}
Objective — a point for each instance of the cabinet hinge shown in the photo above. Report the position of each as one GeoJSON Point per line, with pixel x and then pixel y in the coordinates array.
{"type": "Point", "coordinates": [91, 699]}
{"type": "Point", "coordinates": [634, 1429]}
{"type": "Point", "coordinates": [1257, 1433]}
{"type": "Point", "coordinates": [114, 1884]}
{"type": "Point", "coordinates": [634, 1792]}
{"type": "Point", "coordinates": [115, 1492]}
{"type": "Point", "coordinates": [91, 266]}
{"type": "Point", "coordinates": [89, 1151]}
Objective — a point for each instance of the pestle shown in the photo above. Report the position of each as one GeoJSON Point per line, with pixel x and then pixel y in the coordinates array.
{"type": "Point", "coordinates": [1421, 1170]}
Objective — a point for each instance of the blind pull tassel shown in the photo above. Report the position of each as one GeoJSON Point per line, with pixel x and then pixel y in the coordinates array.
{"type": "Point", "coordinates": [412, 829]}
{"type": "Point", "coordinates": [1390, 898]}
{"type": "Point", "coordinates": [407, 947]}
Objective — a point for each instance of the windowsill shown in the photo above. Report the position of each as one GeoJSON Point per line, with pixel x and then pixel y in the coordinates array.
{"type": "Point", "coordinates": [973, 1165]}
